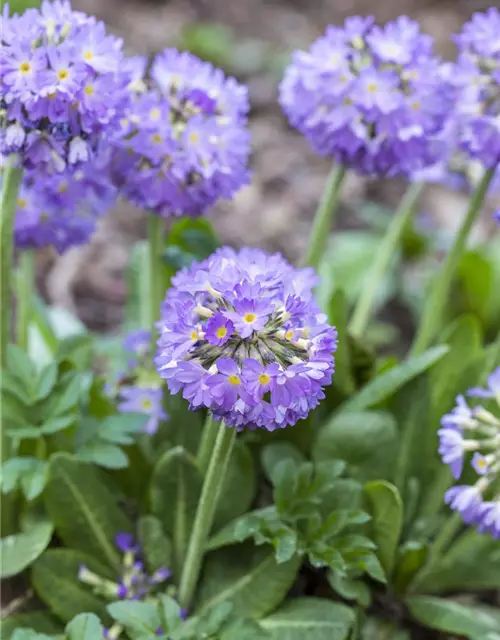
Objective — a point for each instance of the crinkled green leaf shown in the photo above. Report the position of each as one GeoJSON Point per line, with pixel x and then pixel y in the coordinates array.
{"type": "Point", "coordinates": [311, 618]}
{"type": "Point", "coordinates": [84, 509]}
{"type": "Point", "coordinates": [367, 441]}
{"type": "Point", "coordinates": [246, 576]}
{"type": "Point", "coordinates": [55, 579]}
{"type": "Point", "coordinates": [452, 617]}
{"type": "Point", "coordinates": [155, 544]}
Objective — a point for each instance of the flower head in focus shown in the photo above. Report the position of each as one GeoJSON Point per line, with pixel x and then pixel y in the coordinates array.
{"type": "Point", "coordinates": [184, 142]}
{"type": "Point", "coordinates": [476, 79]}
{"type": "Point", "coordinates": [473, 434]}
{"type": "Point", "coordinates": [370, 97]}
{"type": "Point", "coordinates": [241, 335]}
{"type": "Point", "coordinates": [62, 209]}
{"type": "Point", "coordinates": [62, 85]}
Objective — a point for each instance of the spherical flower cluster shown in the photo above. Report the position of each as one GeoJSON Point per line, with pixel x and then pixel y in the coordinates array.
{"type": "Point", "coordinates": [138, 390]}
{"type": "Point", "coordinates": [62, 209]}
{"type": "Point", "coordinates": [370, 97]}
{"type": "Point", "coordinates": [61, 85]}
{"type": "Point", "coordinates": [184, 143]}
{"type": "Point", "coordinates": [241, 335]}
{"type": "Point", "coordinates": [135, 583]}
{"type": "Point", "coordinates": [476, 77]}
{"type": "Point", "coordinates": [475, 431]}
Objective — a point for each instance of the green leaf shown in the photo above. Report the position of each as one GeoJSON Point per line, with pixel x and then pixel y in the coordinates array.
{"type": "Point", "coordinates": [338, 316]}
{"type": "Point", "coordinates": [350, 589]}
{"type": "Point", "coordinates": [140, 617]}
{"type": "Point", "coordinates": [375, 629]}
{"type": "Point", "coordinates": [86, 626]}
{"type": "Point", "coordinates": [170, 613]}
{"type": "Point", "coordinates": [386, 384]}
{"type": "Point", "coordinates": [103, 454]}
{"type": "Point", "coordinates": [472, 564]}
{"type": "Point", "coordinates": [117, 427]}
{"type": "Point", "coordinates": [46, 381]}
{"type": "Point", "coordinates": [239, 486]}
{"type": "Point", "coordinates": [311, 618]}
{"type": "Point", "coordinates": [84, 509]}
{"type": "Point", "coordinates": [40, 621]}
{"type": "Point", "coordinates": [367, 441]}
{"type": "Point", "coordinates": [29, 634]}
{"type": "Point", "coordinates": [174, 493]}
{"type": "Point", "coordinates": [248, 577]}
{"type": "Point", "coordinates": [451, 617]}
{"type": "Point", "coordinates": [55, 579]}
{"type": "Point", "coordinates": [155, 544]}
{"type": "Point", "coordinates": [386, 508]}
{"type": "Point", "coordinates": [412, 558]}
{"type": "Point", "coordinates": [28, 473]}
{"type": "Point", "coordinates": [276, 452]}
{"type": "Point", "coordinates": [20, 550]}
{"type": "Point", "coordinates": [20, 366]}
{"type": "Point", "coordinates": [57, 424]}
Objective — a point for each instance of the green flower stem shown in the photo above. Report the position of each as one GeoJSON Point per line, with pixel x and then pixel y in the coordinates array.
{"type": "Point", "coordinates": [208, 438]}
{"type": "Point", "coordinates": [438, 297]}
{"type": "Point", "coordinates": [12, 177]}
{"type": "Point", "coordinates": [156, 280]}
{"type": "Point", "coordinates": [324, 217]}
{"type": "Point", "coordinates": [383, 257]}
{"type": "Point", "coordinates": [25, 299]}
{"type": "Point", "coordinates": [205, 512]}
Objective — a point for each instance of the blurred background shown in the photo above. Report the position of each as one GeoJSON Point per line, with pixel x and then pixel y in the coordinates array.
{"type": "Point", "coordinates": [252, 40]}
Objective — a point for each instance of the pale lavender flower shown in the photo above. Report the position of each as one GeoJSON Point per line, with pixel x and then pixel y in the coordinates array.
{"type": "Point", "coordinates": [144, 400]}
{"type": "Point", "coordinates": [184, 143]}
{"type": "Point", "coordinates": [370, 97]}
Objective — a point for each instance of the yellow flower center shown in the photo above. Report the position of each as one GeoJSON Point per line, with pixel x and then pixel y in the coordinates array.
{"type": "Point", "coordinates": [372, 87]}
{"type": "Point", "coordinates": [194, 137]}
{"type": "Point", "coordinates": [194, 336]}
{"type": "Point", "coordinates": [482, 464]}
{"type": "Point", "coordinates": [25, 67]}
{"type": "Point", "coordinates": [21, 203]}
{"type": "Point", "coordinates": [88, 55]}
{"type": "Point", "coordinates": [221, 332]}
{"type": "Point", "coordinates": [63, 74]}
{"type": "Point", "coordinates": [289, 334]}
{"type": "Point", "coordinates": [63, 187]}
{"type": "Point", "coordinates": [415, 106]}
{"type": "Point", "coordinates": [156, 138]}
{"type": "Point", "coordinates": [249, 318]}
{"type": "Point", "coordinates": [264, 378]}
{"type": "Point", "coordinates": [155, 114]}
{"type": "Point", "coordinates": [89, 90]}
{"type": "Point", "coordinates": [146, 404]}
{"type": "Point", "coordinates": [234, 379]}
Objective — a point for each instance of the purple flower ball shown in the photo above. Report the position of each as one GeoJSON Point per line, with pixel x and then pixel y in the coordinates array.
{"type": "Point", "coordinates": [62, 210]}
{"type": "Point", "coordinates": [370, 97]}
{"type": "Point", "coordinates": [476, 79]}
{"type": "Point", "coordinates": [241, 335]}
{"type": "Point", "coordinates": [184, 143]}
{"type": "Point", "coordinates": [62, 85]}
{"type": "Point", "coordinates": [473, 435]}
